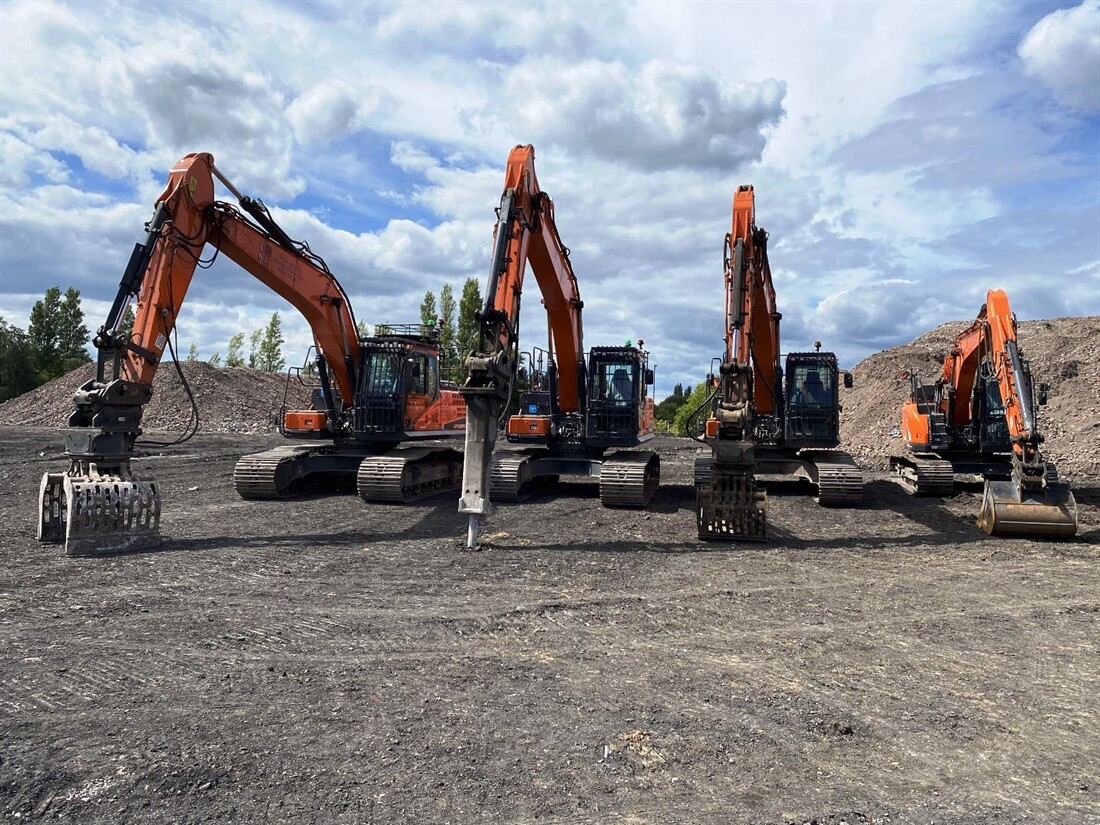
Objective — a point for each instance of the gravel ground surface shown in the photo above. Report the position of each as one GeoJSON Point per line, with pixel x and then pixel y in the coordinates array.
{"type": "Point", "coordinates": [322, 660]}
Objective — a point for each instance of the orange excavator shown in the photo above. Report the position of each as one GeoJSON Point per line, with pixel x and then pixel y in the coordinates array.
{"type": "Point", "coordinates": [591, 404]}
{"type": "Point", "coordinates": [979, 419]}
{"type": "Point", "coordinates": [755, 425]}
{"type": "Point", "coordinates": [374, 393]}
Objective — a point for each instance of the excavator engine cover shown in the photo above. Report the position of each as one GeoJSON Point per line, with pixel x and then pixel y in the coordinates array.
{"type": "Point", "coordinates": [305, 421]}
{"type": "Point", "coordinates": [535, 425]}
{"type": "Point", "coordinates": [96, 513]}
{"type": "Point", "coordinates": [1009, 510]}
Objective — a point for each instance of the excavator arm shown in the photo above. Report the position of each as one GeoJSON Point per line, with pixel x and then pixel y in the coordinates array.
{"type": "Point", "coordinates": [98, 505]}
{"type": "Point", "coordinates": [187, 219]}
{"type": "Point", "coordinates": [525, 232]}
{"type": "Point", "coordinates": [990, 343]}
{"type": "Point", "coordinates": [1012, 379]}
{"type": "Point", "coordinates": [751, 372]}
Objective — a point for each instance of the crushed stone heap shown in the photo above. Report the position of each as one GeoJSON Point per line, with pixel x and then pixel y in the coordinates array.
{"type": "Point", "coordinates": [229, 399]}
{"type": "Point", "coordinates": [1064, 353]}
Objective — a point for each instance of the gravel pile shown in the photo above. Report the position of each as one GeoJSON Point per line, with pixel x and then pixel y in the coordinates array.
{"type": "Point", "coordinates": [229, 399]}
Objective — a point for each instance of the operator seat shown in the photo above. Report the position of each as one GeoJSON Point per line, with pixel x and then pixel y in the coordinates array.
{"type": "Point", "coordinates": [620, 385]}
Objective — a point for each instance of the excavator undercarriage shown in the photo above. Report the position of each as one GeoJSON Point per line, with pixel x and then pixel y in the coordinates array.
{"type": "Point", "coordinates": [627, 478]}
{"type": "Point", "coordinates": [400, 475]}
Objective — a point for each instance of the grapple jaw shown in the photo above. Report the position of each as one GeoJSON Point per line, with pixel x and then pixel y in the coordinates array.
{"type": "Point", "coordinates": [98, 512]}
{"type": "Point", "coordinates": [729, 503]}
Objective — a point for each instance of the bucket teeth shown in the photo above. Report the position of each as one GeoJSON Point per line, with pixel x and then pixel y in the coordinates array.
{"type": "Point", "coordinates": [97, 513]}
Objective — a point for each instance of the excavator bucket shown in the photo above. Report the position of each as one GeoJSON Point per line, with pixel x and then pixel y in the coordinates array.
{"type": "Point", "coordinates": [1010, 510]}
{"type": "Point", "coordinates": [96, 514]}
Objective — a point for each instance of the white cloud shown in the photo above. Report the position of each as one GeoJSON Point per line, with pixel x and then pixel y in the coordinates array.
{"type": "Point", "coordinates": [335, 109]}
{"type": "Point", "coordinates": [660, 117]}
{"type": "Point", "coordinates": [1063, 51]}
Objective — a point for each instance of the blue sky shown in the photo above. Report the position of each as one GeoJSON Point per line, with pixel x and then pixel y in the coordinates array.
{"type": "Point", "coordinates": [906, 156]}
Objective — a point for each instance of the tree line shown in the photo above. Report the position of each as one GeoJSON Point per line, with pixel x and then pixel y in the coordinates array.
{"type": "Point", "coordinates": [56, 342]}
{"type": "Point", "coordinates": [456, 340]}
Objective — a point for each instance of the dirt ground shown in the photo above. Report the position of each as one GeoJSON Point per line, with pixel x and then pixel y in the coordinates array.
{"type": "Point", "coordinates": [322, 660]}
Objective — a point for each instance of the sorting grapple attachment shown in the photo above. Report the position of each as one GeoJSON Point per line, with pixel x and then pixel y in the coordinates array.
{"type": "Point", "coordinates": [729, 504]}
{"type": "Point", "coordinates": [96, 513]}
{"type": "Point", "coordinates": [1010, 509]}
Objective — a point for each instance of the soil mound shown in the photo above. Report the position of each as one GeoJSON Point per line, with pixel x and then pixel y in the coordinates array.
{"type": "Point", "coordinates": [1064, 353]}
{"type": "Point", "coordinates": [229, 399]}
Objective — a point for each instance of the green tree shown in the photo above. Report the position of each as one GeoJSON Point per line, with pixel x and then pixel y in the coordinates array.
{"type": "Point", "coordinates": [44, 335]}
{"type": "Point", "coordinates": [128, 318]}
{"type": "Point", "coordinates": [193, 353]}
{"type": "Point", "coordinates": [667, 409]}
{"type": "Point", "coordinates": [234, 355]}
{"type": "Point", "coordinates": [254, 348]}
{"type": "Point", "coordinates": [382, 329]}
{"type": "Point", "coordinates": [17, 370]}
{"type": "Point", "coordinates": [362, 328]}
{"type": "Point", "coordinates": [690, 409]}
{"type": "Point", "coordinates": [57, 336]}
{"type": "Point", "coordinates": [72, 337]}
{"type": "Point", "coordinates": [468, 329]}
{"type": "Point", "coordinates": [215, 360]}
{"type": "Point", "coordinates": [427, 309]}
{"type": "Point", "coordinates": [269, 357]}
{"type": "Point", "coordinates": [448, 344]}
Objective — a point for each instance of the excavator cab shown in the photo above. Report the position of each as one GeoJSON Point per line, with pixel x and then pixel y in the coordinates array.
{"type": "Point", "coordinates": [989, 415]}
{"type": "Point", "coordinates": [617, 399]}
{"type": "Point", "coordinates": [812, 400]}
{"type": "Point", "coordinates": [398, 382]}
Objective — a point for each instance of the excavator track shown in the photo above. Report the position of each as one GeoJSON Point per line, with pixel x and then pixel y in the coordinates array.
{"type": "Point", "coordinates": [729, 504]}
{"type": "Point", "coordinates": [839, 479]}
{"type": "Point", "coordinates": [507, 476]}
{"type": "Point", "coordinates": [924, 476]}
{"type": "Point", "coordinates": [269, 474]}
{"type": "Point", "coordinates": [629, 479]}
{"type": "Point", "coordinates": [408, 475]}
{"type": "Point", "coordinates": [511, 480]}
